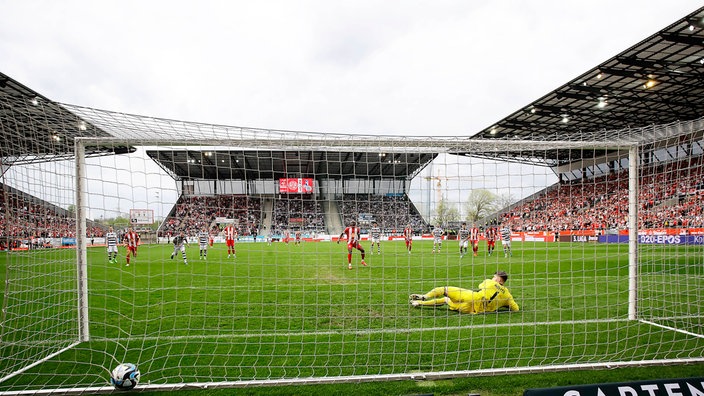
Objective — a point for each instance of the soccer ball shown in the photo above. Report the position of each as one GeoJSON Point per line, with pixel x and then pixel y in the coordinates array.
{"type": "Point", "coordinates": [125, 376]}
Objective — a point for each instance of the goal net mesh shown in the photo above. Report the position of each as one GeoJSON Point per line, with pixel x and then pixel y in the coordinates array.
{"type": "Point", "coordinates": [291, 302]}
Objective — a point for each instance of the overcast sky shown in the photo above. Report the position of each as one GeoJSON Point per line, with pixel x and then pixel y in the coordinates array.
{"type": "Point", "coordinates": [427, 68]}
{"type": "Point", "coordinates": [382, 67]}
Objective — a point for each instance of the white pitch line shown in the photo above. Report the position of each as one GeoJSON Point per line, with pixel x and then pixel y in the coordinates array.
{"type": "Point", "coordinates": [672, 329]}
{"type": "Point", "coordinates": [321, 281]}
{"type": "Point", "coordinates": [369, 331]}
{"type": "Point", "coordinates": [361, 332]}
{"type": "Point", "coordinates": [38, 362]}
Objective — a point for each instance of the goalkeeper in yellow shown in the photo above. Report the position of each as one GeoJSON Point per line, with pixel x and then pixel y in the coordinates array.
{"type": "Point", "coordinates": [491, 296]}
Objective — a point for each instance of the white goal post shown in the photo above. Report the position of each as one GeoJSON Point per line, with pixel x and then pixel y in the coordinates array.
{"type": "Point", "coordinates": [598, 228]}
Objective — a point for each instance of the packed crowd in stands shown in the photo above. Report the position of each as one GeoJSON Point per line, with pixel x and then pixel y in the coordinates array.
{"type": "Point", "coordinates": [303, 214]}
{"type": "Point", "coordinates": [23, 216]}
{"type": "Point", "coordinates": [392, 213]}
{"type": "Point", "coordinates": [289, 213]}
{"type": "Point", "coordinates": [192, 213]}
{"type": "Point", "coordinates": [670, 195]}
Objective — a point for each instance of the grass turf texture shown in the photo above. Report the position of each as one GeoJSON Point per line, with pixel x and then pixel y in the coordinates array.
{"type": "Point", "coordinates": [287, 311]}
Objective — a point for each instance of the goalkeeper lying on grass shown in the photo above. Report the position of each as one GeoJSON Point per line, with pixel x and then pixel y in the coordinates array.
{"type": "Point", "coordinates": [491, 296]}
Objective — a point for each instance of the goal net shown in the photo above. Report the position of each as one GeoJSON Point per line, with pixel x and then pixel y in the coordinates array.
{"type": "Point", "coordinates": [600, 235]}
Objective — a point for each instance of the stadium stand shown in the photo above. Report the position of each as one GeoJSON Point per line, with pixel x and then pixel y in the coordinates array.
{"type": "Point", "coordinates": [392, 213]}
{"type": "Point", "coordinates": [671, 196]}
{"type": "Point", "coordinates": [192, 213]}
{"type": "Point", "coordinates": [25, 217]}
{"type": "Point", "coordinates": [307, 214]}
{"type": "Point", "coordinates": [299, 213]}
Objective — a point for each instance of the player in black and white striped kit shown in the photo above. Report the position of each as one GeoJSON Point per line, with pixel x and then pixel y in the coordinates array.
{"type": "Point", "coordinates": [375, 236]}
{"type": "Point", "coordinates": [111, 242]}
{"type": "Point", "coordinates": [506, 240]}
{"type": "Point", "coordinates": [463, 235]}
{"type": "Point", "coordinates": [203, 240]}
{"type": "Point", "coordinates": [437, 234]}
{"type": "Point", "coordinates": [180, 243]}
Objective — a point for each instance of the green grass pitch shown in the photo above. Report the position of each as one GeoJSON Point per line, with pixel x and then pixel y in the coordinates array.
{"type": "Point", "coordinates": [288, 311]}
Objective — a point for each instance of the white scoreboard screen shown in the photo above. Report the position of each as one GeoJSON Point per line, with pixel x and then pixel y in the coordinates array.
{"type": "Point", "coordinates": [141, 216]}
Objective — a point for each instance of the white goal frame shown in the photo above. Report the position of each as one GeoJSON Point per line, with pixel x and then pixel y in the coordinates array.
{"type": "Point", "coordinates": [387, 145]}
{"type": "Point", "coordinates": [271, 140]}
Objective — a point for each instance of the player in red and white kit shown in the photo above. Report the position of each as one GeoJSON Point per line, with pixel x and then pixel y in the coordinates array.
{"type": "Point", "coordinates": [474, 238]}
{"type": "Point", "coordinates": [230, 235]}
{"type": "Point", "coordinates": [408, 237]}
{"type": "Point", "coordinates": [352, 234]}
{"type": "Point", "coordinates": [491, 235]}
{"type": "Point", "coordinates": [131, 240]}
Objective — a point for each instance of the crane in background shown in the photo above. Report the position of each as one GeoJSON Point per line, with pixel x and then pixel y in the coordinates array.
{"type": "Point", "coordinates": [438, 187]}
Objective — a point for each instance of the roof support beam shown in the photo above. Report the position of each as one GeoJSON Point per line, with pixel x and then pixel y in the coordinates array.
{"type": "Point", "coordinates": [682, 39]}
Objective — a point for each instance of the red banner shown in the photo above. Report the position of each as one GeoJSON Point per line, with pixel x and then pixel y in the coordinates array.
{"type": "Point", "coordinates": [296, 186]}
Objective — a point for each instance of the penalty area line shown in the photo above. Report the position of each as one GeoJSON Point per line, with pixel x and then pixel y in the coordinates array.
{"type": "Point", "coordinates": [38, 362]}
{"type": "Point", "coordinates": [355, 332]}
{"type": "Point", "coordinates": [672, 329]}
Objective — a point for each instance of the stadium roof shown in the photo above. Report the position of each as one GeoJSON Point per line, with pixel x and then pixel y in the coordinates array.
{"type": "Point", "coordinates": [276, 164]}
{"type": "Point", "coordinates": [33, 128]}
{"type": "Point", "coordinates": [657, 81]}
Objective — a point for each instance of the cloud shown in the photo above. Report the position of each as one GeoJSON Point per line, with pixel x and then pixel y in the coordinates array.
{"type": "Point", "coordinates": [396, 67]}
{"type": "Point", "coordinates": [441, 68]}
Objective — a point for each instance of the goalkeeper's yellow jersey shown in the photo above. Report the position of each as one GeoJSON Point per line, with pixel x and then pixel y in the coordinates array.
{"type": "Point", "coordinates": [490, 297]}
{"type": "Point", "coordinates": [495, 296]}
